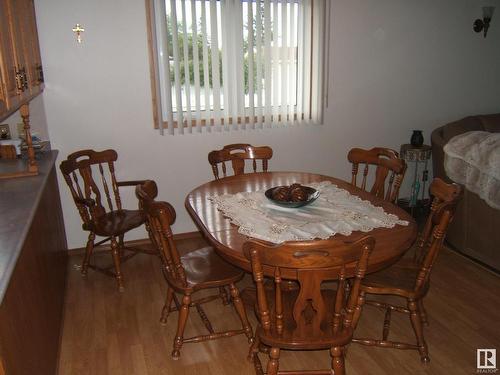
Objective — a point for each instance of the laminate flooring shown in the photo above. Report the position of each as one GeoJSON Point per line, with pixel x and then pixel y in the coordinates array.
{"type": "Point", "coordinates": [110, 333]}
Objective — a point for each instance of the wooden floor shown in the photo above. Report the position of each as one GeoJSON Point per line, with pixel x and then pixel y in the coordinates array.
{"type": "Point", "coordinates": [110, 333]}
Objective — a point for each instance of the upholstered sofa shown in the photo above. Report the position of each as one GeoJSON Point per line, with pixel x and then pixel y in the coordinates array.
{"type": "Point", "coordinates": [475, 230]}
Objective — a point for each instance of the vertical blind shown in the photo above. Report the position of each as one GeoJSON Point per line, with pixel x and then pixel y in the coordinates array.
{"type": "Point", "coordinates": [236, 64]}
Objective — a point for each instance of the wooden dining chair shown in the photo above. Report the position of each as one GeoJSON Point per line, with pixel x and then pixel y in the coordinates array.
{"type": "Point", "coordinates": [187, 274]}
{"type": "Point", "coordinates": [410, 278]}
{"type": "Point", "coordinates": [386, 162]}
{"type": "Point", "coordinates": [237, 154]}
{"type": "Point", "coordinates": [87, 173]}
{"type": "Point", "coordinates": [308, 317]}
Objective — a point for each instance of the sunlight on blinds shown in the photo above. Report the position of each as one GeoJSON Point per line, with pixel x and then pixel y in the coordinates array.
{"type": "Point", "coordinates": [237, 64]}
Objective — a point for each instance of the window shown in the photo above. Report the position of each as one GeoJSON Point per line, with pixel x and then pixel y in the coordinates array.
{"type": "Point", "coordinates": [231, 64]}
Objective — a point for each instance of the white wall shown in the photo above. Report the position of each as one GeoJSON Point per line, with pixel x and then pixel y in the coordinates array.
{"type": "Point", "coordinates": [395, 65]}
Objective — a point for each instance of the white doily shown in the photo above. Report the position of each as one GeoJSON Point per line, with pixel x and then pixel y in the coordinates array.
{"type": "Point", "coordinates": [335, 211]}
{"type": "Point", "coordinates": [473, 159]}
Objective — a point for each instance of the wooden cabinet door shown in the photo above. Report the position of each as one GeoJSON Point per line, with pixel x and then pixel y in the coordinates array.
{"type": "Point", "coordinates": [21, 75]}
{"type": "Point", "coordinates": [3, 101]}
{"type": "Point", "coordinates": [25, 9]}
{"type": "Point", "coordinates": [35, 42]}
{"type": "Point", "coordinates": [7, 59]}
{"type": "Point", "coordinates": [19, 40]}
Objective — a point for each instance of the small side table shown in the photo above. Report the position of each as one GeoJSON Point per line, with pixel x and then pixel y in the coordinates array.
{"type": "Point", "coordinates": [417, 156]}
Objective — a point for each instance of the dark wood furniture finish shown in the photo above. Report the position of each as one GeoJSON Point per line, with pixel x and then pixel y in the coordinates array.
{"type": "Point", "coordinates": [89, 187]}
{"type": "Point", "coordinates": [197, 270]}
{"type": "Point", "coordinates": [237, 154]}
{"type": "Point", "coordinates": [31, 311]}
{"type": "Point", "coordinates": [309, 318]}
{"type": "Point", "coordinates": [410, 278]}
{"type": "Point", "coordinates": [21, 74]}
{"type": "Point", "coordinates": [387, 162]}
{"type": "Point", "coordinates": [224, 237]}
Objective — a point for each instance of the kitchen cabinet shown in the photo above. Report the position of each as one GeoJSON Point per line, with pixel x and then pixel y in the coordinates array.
{"type": "Point", "coordinates": [3, 104]}
{"type": "Point", "coordinates": [33, 271]}
{"type": "Point", "coordinates": [21, 74]}
{"type": "Point", "coordinates": [7, 60]}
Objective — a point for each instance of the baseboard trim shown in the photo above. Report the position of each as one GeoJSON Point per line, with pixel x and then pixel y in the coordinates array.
{"type": "Point", "coordinates": [134, 243]}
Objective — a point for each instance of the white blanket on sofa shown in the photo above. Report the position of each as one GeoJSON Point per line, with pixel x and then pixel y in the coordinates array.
{"type": "Point", "coordinates": [473, 159]}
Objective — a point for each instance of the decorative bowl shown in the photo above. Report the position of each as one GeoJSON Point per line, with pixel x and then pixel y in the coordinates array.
{"type": "Point", "coordinates": [312, 195]}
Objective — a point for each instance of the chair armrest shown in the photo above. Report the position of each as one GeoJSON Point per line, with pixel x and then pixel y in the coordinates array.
{"type": "Point", "coordinates": [85, 201]}
{"type": "Point", "coordinates": [130, 183]}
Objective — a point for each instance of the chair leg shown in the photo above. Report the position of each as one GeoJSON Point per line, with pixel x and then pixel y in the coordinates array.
{"type": "Point", "coordinates": [166, 307]}
{"type": "Point", "coordinates": [116, 260]}
{"type": "Point", "coordinates": [254, 348]}
{"type": "Point", "coordinates": [337, 360]}
{"type": "Point", "coordinates": [240, 310]}
{"type": "Point", "coordinates": [418, 329]}
{"type": "Point", "coordinates": [273, 364]}
{"type": "Point", "coordinates": [88, 252]}
{"type": "Point", "coordinates": [423, 312]}
{"type": "Point", "coordinates": [357, 310]}
{"type": "Point", "coordinates": [181, 324]}
{"type": "Point", "coordinates": [121, 244]}
{"type": "Point", "coordinates": [254, 356]}
{"type": "Point", "coordinates": [223, 296]}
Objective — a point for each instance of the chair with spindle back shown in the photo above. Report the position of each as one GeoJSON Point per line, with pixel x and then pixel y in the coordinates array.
{"type": "Point", "coordinates": [308, 317]}
{"type": "Point", "coordinates": [87, 173]}
{"type": "Point", "coordinates": [410, 278]}
{"type": "Point", "coordinates": [237, 154]}
{"type": "Point", "coordinates": [187, 274]}
{"type": "Point", "coordinates": [387, 162]}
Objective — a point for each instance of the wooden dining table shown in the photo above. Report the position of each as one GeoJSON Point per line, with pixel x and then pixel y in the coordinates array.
{"type": "Point", "coordinates": [391, 243]}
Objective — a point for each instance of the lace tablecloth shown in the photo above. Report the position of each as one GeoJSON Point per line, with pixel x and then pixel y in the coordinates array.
{"type": "Point", "coordinates": [335, 211]}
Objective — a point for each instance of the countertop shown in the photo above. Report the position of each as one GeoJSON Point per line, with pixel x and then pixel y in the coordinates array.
{"type": "Point", "coordinates": [19, 199]}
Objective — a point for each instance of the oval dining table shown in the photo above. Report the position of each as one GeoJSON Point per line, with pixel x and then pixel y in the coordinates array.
{"type": "Point", "coordinates": [391, 243]}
